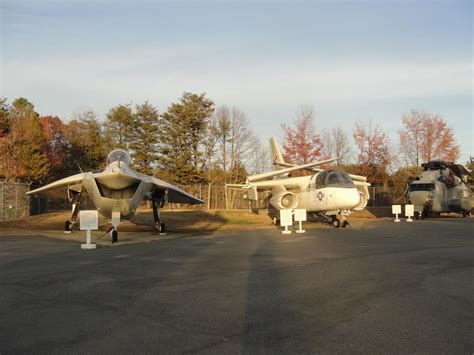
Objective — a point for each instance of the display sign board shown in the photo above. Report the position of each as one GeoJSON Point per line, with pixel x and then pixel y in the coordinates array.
{"type": "Point", "coordinates": [396, 209]}
{"type": "Point", "coordinates": [286, 218]}
{"type": "Point", "coordinates": [300, 215]}
{"type": "Point", "coordinates": [89, 220]}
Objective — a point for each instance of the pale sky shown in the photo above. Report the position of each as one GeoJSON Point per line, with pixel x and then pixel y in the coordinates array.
{"type": "Point", "coordinates": [350, 60]}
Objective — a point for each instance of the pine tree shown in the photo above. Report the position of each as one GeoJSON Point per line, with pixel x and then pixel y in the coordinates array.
{"type": "Point", "coordinates": [182, 136]}
{"type": "Point", "coordinates": [144, 145]}
{"type": "Point", "coordinates": [118, 127]}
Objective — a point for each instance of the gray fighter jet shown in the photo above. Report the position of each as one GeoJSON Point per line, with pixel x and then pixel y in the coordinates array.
{"type": "Point", "coordinates": [441, 187]}
{"type": "Point", "coordinates": [119, 189]}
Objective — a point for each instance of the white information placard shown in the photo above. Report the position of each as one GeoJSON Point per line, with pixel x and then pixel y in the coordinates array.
{"type": "Point", "coordinates": [89, 220]}
{"type": "Point", "coordinates": [396, 209]}
{"type": "Point", "coordinates": [300, 215]}
{"type": "Point", "coordinates": [286, 218]}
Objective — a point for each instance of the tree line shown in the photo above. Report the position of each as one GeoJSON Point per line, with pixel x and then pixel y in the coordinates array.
{"type": "Point", "coordinates": [192, 142]}
{"type": "Point", "coordinates": [195, 142]}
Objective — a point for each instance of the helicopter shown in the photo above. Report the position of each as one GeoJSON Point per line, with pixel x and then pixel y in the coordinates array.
{"type": "Point", "coordinates": [441, 188]}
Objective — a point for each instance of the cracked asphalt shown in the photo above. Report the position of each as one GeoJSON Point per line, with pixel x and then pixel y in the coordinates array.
{"type": "Point", "coordinates": [388, 288]}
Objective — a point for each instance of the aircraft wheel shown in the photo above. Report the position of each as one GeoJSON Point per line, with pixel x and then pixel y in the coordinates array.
{"type": "Point", "coordinates": [162, 228]}
{"type": "Point", "coordinates": [417, 215]}
{"type": "Point", "coordinates": [114, 236]}
{"type": "Point", "coordinates": [67, 227]}
{"type": "Point", "coordinates": [336, 223]}
{"type": "Point", "coordinates": [464, 214]}
{"type": "Point", "coordinates": [344, 224]}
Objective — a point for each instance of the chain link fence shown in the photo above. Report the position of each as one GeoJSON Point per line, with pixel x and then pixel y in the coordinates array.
{"type": "Point", "coordinates": [14, 204]}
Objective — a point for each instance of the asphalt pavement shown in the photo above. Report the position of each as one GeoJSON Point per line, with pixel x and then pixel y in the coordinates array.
{"type": "Point", "coordinates": [383, 288]}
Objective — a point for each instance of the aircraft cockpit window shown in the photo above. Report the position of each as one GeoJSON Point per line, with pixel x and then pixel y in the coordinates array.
{"type": "Point", "coordinates": [321, 178]}
{"type": "Point", "coordinates": [333, 178]}
{"type": "Point", "coordinates": [347, 179]}
{"type": "Point", "coordinates": [119, 155]}
{"type": "Point", "coordinates": [422, 187]}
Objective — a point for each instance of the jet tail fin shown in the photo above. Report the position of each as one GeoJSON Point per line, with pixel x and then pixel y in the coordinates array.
{"type": "Point", "coordinates": [277, 157]}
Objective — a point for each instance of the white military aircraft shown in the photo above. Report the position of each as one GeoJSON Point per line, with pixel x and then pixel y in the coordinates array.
{"type": "Point", "coordinates": [441, 187]}
{"type": "Point", "coordinates": [331, 194]}
{"type": "Point", "coordinates": [119, 189]}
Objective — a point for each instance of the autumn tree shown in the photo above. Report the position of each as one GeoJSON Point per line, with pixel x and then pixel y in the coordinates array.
{"type": "Point", "coordinates": [21, 147]}
{"type": "Point", "coordinates": [426, 136]}
{"type": "Point", "coordinates": [373, 151]}
{"type": "Point", "coordinates": [56, 146]}
{"type": "Point", "coordinates": [87, 148]}
{"type": "Point", "coordinates": [399, 182]}
{"type": "Point", "coordinates": [182, 135]}
{"type": "Point", "coordinates": [336, 144]}
{"type": "Point", "coordinates": [144, 143]}
{"type": "Point", "coordinates": [119, 126]}
{"type": "Point", "coordinates": [302, 144]}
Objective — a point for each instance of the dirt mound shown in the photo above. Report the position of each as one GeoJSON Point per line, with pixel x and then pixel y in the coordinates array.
{"type": "Point", "coordinates": [178, 221]}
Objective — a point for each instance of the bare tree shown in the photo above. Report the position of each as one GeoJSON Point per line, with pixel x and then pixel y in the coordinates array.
{"type": "Point", "coordinates": [335, 143]}
{"type": "Point", "coordinates": [373, 155]}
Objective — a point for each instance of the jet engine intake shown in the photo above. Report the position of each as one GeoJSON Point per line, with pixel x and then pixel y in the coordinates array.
{"type": "Point", "coordinates": [284, 200]}
{"type": "Point", "coordinates": [362, 202]}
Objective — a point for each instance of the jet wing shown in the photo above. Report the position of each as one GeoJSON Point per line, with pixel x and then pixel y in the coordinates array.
{"type": "Point", "coordinates": [175, 194]}
{"type": "Point", "coordinates": [287, 170]}
{"type": "Point", "coordinates": [74, 182]}
{"type": "Point", "coordinates": [266, 185]}
{"type": "Point", "coordinates": [361, 183]}
{"type": "Point", "coordinates": [354, 177]}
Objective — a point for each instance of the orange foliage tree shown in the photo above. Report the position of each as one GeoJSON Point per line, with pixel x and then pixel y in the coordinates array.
{"type": "Point", "coordinates": [20, 149]}
{"type": "Point", "coordinates": [302, 144]}
{"type": "Point", "coordinates": [53, 132]}
{"type": "Point", "coordinates": [426, 136]}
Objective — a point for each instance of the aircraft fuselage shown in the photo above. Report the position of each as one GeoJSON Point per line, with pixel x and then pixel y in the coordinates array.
{"type": "Point", "coordinates": [116, 189]}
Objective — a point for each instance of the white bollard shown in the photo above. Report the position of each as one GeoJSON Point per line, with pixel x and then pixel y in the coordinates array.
{"type": "Point", "coordinates": [396, 210]}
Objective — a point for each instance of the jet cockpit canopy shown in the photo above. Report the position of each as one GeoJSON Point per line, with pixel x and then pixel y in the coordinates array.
{"type": "Point", "coordinates": [120, 155]}
{"type": "Point", "coordinates": [333, 178]}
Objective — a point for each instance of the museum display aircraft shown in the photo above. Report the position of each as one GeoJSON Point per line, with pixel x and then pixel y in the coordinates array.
{"type": "Point", "coordinates": [332, 194]}
{"type": "Point", "coordinates": [117, 191]}
{"type": "Point", "coordinates": [441, 187]}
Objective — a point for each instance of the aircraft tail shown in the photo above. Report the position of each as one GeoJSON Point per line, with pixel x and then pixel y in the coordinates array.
{"type": "Point", "coordinates": [277, 157]}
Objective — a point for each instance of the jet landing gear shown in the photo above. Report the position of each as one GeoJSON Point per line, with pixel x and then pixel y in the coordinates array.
{"type": "Point", "coordinates": [67, 227]}
{"type": "Point", "coordinates": [75, 199]}
{"type": "Point", "coordinates": [340, 219]}
{"type": "Point", "coordinates": [114, 234]}
{"type": "Point", "coordinates": [157, 203]}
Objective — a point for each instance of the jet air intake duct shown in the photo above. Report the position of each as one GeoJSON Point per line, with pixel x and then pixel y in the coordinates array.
{"type": "Point", "coordinates": [284, 200]}
{"type": "Point", "coordinates": [362, 202]}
